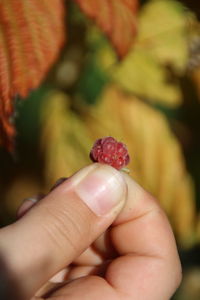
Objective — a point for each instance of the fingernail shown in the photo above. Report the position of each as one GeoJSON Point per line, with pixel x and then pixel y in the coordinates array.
{"type": "Point", "coordinates": [58, 182]}
{"type": "Point", "coordinates": [102, 188]}
{"type": "Point", "coordinates": [27, 204]}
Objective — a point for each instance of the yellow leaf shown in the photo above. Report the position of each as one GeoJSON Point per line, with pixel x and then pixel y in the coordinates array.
{"type": "Point", "coordinates": [163, 32]}
{"type": "Point", "coordinates": [162, 42]}
{"type": "Point", "coordinates": [142, 75]}
{"type": "Point", "coordinates": [64, 139]}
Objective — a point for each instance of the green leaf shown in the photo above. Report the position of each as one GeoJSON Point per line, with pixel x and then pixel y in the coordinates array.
{"type": "Point", "coordinates": [91, 82]}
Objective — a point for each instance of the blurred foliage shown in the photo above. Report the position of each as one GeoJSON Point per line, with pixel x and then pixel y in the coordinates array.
{"type": "Point", "coordinates": [142, 88]}
{"type": "Point", "coordinates": [117, 19]}
{"type": "Point", "coordinates": [160, 52]}
{"type": "Point", "coordinates": [65, 130]}
{"type": "Point", "coordinates": [190, 288]}
{"type": "Point", "coordinates": [31, 35]}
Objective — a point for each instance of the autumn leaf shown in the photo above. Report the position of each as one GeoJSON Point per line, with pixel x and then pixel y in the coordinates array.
{"type": "Point", "coordinates": [62, 133]}
{"type": "Point", "coordinates": [116, 18]}
{"type": "Point", "coordinates": [31, 34]}
{"type": "Point", "coordinates": [159, 56]}
{"type": "Point", "coordinates": [157, 162]}
{"type": "Point", "coordinates": [163, 32]}
{"type": "Point", "coordinates": [142, 75]}
{"type": "Point", "coordinates": [162, 42]}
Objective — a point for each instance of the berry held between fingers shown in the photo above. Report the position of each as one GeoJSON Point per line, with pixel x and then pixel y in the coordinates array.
{"type": "Point", "coordinates": [111, 152]}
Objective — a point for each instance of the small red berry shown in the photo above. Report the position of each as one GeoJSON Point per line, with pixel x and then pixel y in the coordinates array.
{"type": "Point", "coordinates": [111, 152]}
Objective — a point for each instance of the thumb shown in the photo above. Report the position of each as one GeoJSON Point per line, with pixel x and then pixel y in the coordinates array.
{"type": "Point", "coordinates": [61, 226]}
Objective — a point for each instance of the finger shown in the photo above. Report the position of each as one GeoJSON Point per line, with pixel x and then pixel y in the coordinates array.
{"type": "Point", "coordinates": [58, 182]}
{"type": "Point", "coordinates": [148, 267]}
{"type": "Point", "coordinates": [90, 257]}
{"type": "Point", "coordinates": [62, 225]}
{"type": "Point", "coordinates": [67, 276]}
{"type": "Point", "coordinates": [28, 204]}
{"type": "Point", "coordinates": [86, 288]}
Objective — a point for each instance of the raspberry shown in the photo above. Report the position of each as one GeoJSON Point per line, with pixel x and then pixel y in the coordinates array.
{"type": "Point", "coordinates": [111, 152]}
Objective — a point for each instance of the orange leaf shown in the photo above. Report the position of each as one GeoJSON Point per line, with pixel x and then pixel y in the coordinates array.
{"type": "Point", "coordinates": [31, 34]}
{"type": "Point", "coordinates": [117, 18]}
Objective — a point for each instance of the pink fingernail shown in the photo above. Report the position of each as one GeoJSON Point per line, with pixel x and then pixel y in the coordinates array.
{"type": "Point", "coordinates": [27, 204]}
{"type": "Point", "coordinates": [102, 189]}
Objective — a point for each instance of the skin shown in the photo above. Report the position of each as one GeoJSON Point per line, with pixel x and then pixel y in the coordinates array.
{"type": "Point", "coordinates": [66, 251]}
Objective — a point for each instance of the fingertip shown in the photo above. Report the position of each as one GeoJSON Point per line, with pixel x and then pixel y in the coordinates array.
{"type": "Point", "coordinates": [58, 182]}
{"type": "Point", "coordinates": [27, 204]}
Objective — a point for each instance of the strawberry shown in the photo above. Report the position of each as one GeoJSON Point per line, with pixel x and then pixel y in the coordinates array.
{"type": "Point", "coordinates": [111, 152]}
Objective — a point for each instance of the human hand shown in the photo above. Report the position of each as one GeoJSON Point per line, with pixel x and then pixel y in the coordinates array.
{"type": "Point", "coordinates": [109, 236]}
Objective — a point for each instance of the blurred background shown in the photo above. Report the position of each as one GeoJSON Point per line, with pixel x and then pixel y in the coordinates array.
{"type": "Point", "coordinates": [76, 70]}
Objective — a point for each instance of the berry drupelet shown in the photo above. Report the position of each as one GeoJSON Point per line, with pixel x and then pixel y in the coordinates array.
{"type": "Point", "coordinates": [111, 152]}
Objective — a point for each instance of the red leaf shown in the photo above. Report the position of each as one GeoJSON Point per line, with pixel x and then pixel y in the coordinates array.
{"type": "Point", "coordinates": [117, 18]}
{"type": "Point", "coordinates": [31, 34]}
